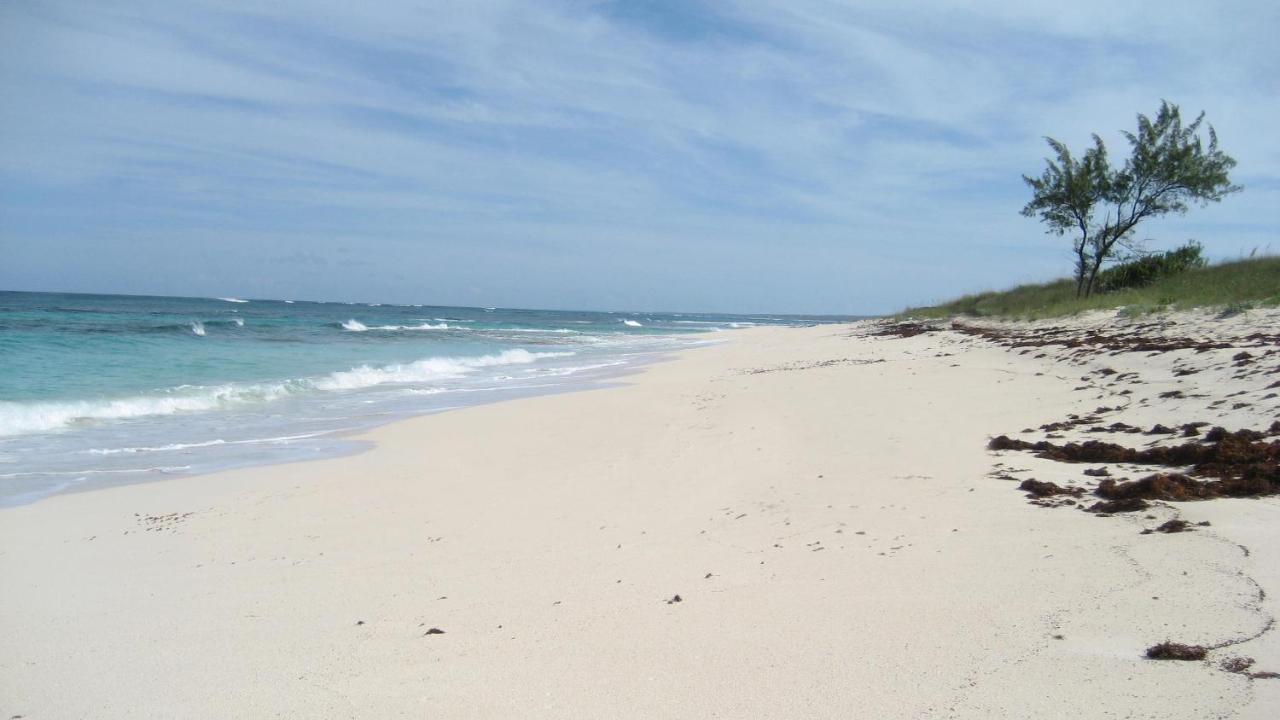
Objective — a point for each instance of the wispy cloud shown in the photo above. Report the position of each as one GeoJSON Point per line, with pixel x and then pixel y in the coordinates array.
{"type": "Point", "coordinates": [803, 156]}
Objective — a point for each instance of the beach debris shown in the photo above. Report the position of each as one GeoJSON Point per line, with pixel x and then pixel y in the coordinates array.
{"type": "Point", "coordinates": [433, 631]}
{"type": "Point", "coordinates": [905, 329]}
{"type": "Point", "coordinates": [675, 599]}
{"type": "Point", "coordinates": [1039, 488]}
{"type": "Point", "coordinates": [1238, 665]}
{"type": "Point", "coordinates": [1116, 427]}
{"type": "Point", "coordinates": [810, 366]}
{"type": "Point", "coordinates": [1091, 341]}
{"type": "Point", "coordinates": [1243, 463]}
{"type": "Point", "coordinates": [1170, 526]}
{"type": "Point", "coordinates": [1175, 651]}
{"type": "Point", "coordinates": [359, 622]}
{"type": "Point", "coordinates": [1111, 507]}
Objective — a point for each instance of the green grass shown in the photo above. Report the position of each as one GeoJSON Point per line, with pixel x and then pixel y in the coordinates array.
{"type": "Point", "coordinates": [1237, 285]}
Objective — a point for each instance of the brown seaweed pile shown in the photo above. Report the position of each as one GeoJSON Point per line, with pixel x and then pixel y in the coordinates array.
{"type": "Point", "coordinates": [905, 329]}
{"type": "Point", "coordinates": [1040, 489]}
{"type": "Point", "coordinates": [1176, 651]}
{"type": "Point", "coordinates": [1118, 342]}
{"type": "Point", "coordinates": [1243, 463]}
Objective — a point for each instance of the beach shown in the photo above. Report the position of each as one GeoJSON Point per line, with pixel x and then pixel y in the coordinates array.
{"type": "Point", "coordinates": [796, 522]}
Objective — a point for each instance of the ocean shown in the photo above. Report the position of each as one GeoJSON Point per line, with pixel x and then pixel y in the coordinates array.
{"type": "Point", "coordinates": [100, 390]}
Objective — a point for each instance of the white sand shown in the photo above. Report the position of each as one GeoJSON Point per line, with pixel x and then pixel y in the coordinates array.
{"type": "Point", "coordinates": [862, 560]}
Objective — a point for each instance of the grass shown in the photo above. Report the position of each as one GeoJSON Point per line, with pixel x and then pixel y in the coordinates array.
{"type": "Point", "coordinates": [1236, 286]}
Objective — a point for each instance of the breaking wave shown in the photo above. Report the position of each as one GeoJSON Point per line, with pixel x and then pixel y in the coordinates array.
{"type": "Point", "coordinates": [23, 418]}
{"type": "Point", "coordinates": [426, 370]}
{"type": "Point", "coordinates": [354, 325]}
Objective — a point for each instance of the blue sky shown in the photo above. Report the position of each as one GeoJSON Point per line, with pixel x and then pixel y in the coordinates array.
{"type": "Point", "coordinates": [799, 156]}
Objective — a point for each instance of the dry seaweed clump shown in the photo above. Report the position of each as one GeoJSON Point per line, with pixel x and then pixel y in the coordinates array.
{"type": "Point", "coordinates": [1176, 525]}
{"type": "Point", "coordinates": [1124, 505]}
{"type": "Point", "coordinates": [1039, 488]}
{"type": "Point", "coordinates": [1175, 651]}
{"type": "Point", "coordinates": [1244, 463]}
{"type": "Point", "coordinates": [905, 329]}
{"type": "Point", "coordinates": [1239, 665]}
{"type": "Point", "coordinates": [1179, 487]}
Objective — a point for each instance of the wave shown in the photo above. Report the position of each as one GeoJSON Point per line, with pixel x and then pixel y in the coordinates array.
{"type": "Point", "coordinates": [354, 325]}
{"type": "Point", "coordinates": [197, 328]}
{"type": "Point", "coordinates": [427, 370]}
{"type": "Point", "coordinates": [94, 471]}
{"type": "Point", "coordinates": [233, 300]}
{"type": "Point", "coordinates": [631, 323]}
{"type": "Point", "coordinates": [207, 443]}
{"type": "Point", "coordinates": [23, 418]}
{"type": "Point", "coordinates": [238, 321]}
{"type": "Point", "coordinates": [561, 331]}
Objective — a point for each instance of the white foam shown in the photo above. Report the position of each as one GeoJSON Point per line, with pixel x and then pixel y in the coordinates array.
{"type": "Point", "coordinates": [631, 323]}
{"type": "Point", "coordinates": [428, 370]}
{"type": "Point", "coordinates": [23, 418]}
{"type": "Point", "coordinates": [238, 321]}
{"type": "Point", "coordinates": [356, 326]}
{"type": "Point", "coordinates": [208, 443]}
{"type": "Point", "coordinates": [423, 326]}
{"type": "Point", "coordinates": [197, 328]}
{"type": "Point", "coordinates": [233, 300]}
{"type": "Point", "coordinates": [162, 469]}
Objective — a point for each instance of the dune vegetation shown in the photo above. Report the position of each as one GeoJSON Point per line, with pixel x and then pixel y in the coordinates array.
{"type": "Point", "coordinates": [1234, 286]}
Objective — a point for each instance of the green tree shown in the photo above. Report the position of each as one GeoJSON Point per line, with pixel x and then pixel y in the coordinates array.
{"type": "Point", "coordinates": [1169, 169]}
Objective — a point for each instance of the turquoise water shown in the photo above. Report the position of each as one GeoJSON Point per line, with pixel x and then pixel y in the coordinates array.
{"type": "Point", "coordinates": [106, 389]}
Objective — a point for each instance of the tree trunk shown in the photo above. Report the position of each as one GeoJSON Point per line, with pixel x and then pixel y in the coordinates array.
{"type": "Point", "coordinates": [1082, 265]}
{"type": "Point", "coordinates": [1093, 275]}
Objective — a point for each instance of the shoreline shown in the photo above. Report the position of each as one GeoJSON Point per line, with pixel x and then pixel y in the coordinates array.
{"type": "Point", "coordinates": [820, 499]}
{"type": "Point", "coordinates": [343, 442]}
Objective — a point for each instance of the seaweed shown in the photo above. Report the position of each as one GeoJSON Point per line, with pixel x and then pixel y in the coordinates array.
{"type": "Point", "coordinates": [1038, 488]}
{"type": "Point", "coordinates": [1175, 651]}
{"type": "Point", "coordinates": [1123, 505]}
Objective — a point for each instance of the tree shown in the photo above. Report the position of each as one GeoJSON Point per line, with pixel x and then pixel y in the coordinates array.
{"type": "Point", "coordinates": [1168, 170]}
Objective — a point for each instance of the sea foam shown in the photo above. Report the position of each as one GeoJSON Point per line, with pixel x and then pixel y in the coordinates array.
{"type": "Point", "coordinates": [430, 369]}
{"type": "Point", "coordinates": [23, 418]}
{"type": "Point", "coordinates": [354, 325]}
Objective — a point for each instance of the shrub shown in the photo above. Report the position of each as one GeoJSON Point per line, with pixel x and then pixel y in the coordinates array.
{"type": "Point", "coordinates": [1144, 270]}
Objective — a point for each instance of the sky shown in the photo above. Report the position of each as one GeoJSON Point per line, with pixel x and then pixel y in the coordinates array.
{"type": "Point", "coordinates": [803, 156]}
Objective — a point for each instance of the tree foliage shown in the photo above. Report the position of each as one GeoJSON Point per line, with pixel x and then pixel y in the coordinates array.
{"type": "Point", "coordinates": [1169, 169]}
